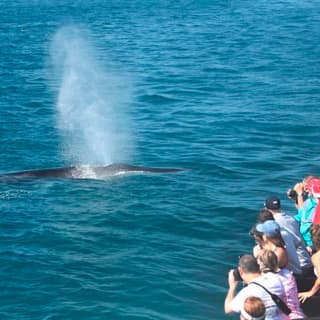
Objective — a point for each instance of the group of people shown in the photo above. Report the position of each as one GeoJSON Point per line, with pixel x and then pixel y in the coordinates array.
{"type": "Point", "coordinates": [286, 251]}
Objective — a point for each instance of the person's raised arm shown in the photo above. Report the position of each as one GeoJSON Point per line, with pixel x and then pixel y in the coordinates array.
{"type": "Point", "coordinates": [233, 284]}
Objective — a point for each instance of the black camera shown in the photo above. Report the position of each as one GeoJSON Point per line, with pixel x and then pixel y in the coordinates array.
{"type": "Point", "coordinates": [236, 275]}
{"type": "Point", "coordinates": [293, 195]}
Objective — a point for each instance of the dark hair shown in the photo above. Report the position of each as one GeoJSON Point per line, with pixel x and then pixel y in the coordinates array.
{"type": "Point", "coordinates": [248, 263]}
{"type": "Point", "coordinates": [315, 235]}
{"type": "Point", "coordinates": [256, 235]}
{"type": "Point", "coordinates": [277, 240]}
{"type": "Point", "coordinates": [265, 215]}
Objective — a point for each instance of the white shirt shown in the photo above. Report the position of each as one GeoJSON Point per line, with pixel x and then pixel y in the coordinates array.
{"type": "Point", "coordinates": [273, 283]}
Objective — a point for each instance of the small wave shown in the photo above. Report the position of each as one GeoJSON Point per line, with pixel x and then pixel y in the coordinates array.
{"type": "Point", "coordinates": [158, 99]}
{"type": "Point", "coordinates": [14, 194]}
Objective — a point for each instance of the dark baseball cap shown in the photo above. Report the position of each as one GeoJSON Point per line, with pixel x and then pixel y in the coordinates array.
{"type": "Point", "coordinates": [272, 203]}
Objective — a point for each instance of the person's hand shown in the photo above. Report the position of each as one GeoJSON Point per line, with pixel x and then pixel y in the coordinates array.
{"type": "Point", "coordinates": [309, 249]}
{"type": "Point", "coordinates": [231, 280]}
{"type": "Point", "coordinates": [303, 296]}
{"type": "Point", "coordinates": [299, 188]}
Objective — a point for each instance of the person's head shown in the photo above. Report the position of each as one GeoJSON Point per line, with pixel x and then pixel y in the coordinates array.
{"type": "Point", "coordinates": [271, 232]}
{"type": "Point", "coordinates": [272, 203]}
{"type": "Point", "coordinates": [306, 181]}
{"type": "Point", "coordinates": [314, 187]}
{"type": "Point", "coordinates": [315, 236]}
{"type": "Point", "coordinates": [265, 215]}
{"type": "Point", "coordinates": [253, 309]}
{"type": "Point", "coordinates": [248, 264]}
{"type": "Point", "coordinates": [256, 235]}
{"type": "Point", "coordinates": [268, 261]}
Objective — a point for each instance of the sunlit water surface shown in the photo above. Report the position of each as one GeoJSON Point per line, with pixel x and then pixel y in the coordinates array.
{"type": "Point", "coordinates": [227, 89]}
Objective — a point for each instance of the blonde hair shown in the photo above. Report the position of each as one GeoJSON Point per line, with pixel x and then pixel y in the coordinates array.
{"type": "Point", "coordinates": [268, 261]}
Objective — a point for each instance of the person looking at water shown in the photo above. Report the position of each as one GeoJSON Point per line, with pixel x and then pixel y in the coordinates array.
{"type": "Point", "coordinates": [272, 240]}
{"type": "Point", "coordinates": [249, 271]}
{"type": "Point", "coordinates": [298, 256]}
{"type": "Point", "coordinates": [268, 262]}
{"type": "Point", "coordinates": [306, 209]}
{"type": "Point", "coordinates": [253, 309]}
{"type": "Point", "coordinates": [263, 216]}
{"type": "Point", "coordinates": [258, 238]}
{"type": "Point", "coordinates": [315, 232]}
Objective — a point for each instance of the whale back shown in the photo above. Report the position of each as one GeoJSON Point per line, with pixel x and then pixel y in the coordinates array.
{"type": "Point", "coordinates": [41, 173]}
{"type": "Point", "coordinates": [118, 168]}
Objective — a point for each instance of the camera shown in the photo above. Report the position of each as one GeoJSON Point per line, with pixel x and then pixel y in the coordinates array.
{"type": "Point", "coordinates": [236, 275]}
{"type": "Point", "coordinates": [293, 195]}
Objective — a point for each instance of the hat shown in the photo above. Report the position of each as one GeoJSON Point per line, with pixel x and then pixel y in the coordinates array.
{"type": "Point", "coordinates": [310, 184]}
{"type": "Point", "coordinates": [270, 228]}
{"type": "Point", "coordinates": [272, 203]}
{"type": "Point", "coordinates": [315, 187]}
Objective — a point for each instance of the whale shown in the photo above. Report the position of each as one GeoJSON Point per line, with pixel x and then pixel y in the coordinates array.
{"type": "Point", "coordinates": [85, 172]}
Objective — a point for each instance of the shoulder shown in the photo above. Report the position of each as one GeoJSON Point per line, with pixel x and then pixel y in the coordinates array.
{"type": "Point", "coordinates": [315, 258]}
{"type": "Point", "coordinates": [268, 279]}
{"type": "Point", "coordinates": [288, 218]}
{"type": "Point", "coordinates": [238, 301]}
{"type": "Point", "coordinates": [270, 276]}
{"type": "Point", "coordinates": [287, 277]}
{"type": "Point", "coordinates": [285, 272]}
{"type": "Point", "coordinates": [273, 282]}
{"type": "Point", "coordinates": [284, 219]}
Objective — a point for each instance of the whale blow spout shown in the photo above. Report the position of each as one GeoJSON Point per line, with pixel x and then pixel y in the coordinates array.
{"type": "Point", "coordinates": [85, 172]}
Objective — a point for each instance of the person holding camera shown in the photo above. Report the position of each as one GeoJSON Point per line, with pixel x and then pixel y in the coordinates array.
{"type": "Point", "coordinates": [299, 194]}
{"type": "Point", "coordinates": [306, 208]}
{"type": "Point", "coordinates": [257, 285]}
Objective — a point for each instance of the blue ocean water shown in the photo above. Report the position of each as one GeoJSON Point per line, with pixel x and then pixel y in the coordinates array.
{"type": "Point", "coordinates": [228, 89]}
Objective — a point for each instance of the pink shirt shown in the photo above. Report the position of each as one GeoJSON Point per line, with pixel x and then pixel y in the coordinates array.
{"type": "Point", "coordinates": [291, 291]}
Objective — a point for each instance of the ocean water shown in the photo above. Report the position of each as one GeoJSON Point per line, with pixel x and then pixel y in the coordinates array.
{"type": "Point", "coordinates": [227, 89]}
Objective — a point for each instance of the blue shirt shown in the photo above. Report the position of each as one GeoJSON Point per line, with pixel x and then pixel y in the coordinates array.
{"type": "Point", "coordinates": [304, 217]}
